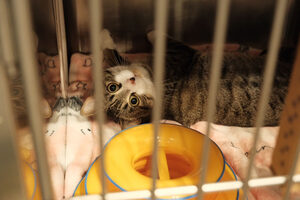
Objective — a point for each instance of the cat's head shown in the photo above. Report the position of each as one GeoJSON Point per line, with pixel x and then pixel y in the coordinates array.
{"type": "Point", "coordinates": [129, 94]}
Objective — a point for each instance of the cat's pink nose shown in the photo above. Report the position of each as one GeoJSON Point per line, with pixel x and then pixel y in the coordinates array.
{"type": "Point", "coordinates": [132, 80]}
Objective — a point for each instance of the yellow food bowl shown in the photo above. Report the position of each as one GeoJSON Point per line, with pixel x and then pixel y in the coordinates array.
{"type": "Point", "coordinates": [128, 162]}
{"type": "Point", "coordinates": [31, 182]}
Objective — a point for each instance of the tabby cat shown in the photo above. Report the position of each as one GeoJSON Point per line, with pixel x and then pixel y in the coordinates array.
{"type": "Point", "coordinates": [129, 93]}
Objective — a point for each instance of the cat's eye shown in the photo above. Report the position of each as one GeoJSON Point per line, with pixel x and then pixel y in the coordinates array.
{"type": "Point", "coordinates": [113, 87]}
{"type": "Point", "coordinates": [134, 100]}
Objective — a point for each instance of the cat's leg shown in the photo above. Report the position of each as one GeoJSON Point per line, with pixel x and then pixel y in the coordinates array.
{"type": "Point", "coordinates": [79, 153]}
{"type": "Point", "coordinates": [79, 146]}
{"type": "Point", "coordinates": [55, 143]}
{"type": "Point", "coordinates": [78, 158]}
{"type": "Point", "coordinates": [57, 178]}
{"type": "Point", "coordinates": [57, 172]}
{"type": "Point", "coordinates": [88, 107]}
{"type": "Point", "coordinates": [46, 109]}
{"type": "Point", "coordinates": [74, 174]}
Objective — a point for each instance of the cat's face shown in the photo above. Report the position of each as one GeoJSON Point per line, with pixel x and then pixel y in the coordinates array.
{"type": "Point", "coordinates": [128, 92]}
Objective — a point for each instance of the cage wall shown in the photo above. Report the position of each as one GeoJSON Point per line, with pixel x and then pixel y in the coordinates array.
{"type": "Point", "coordinates": [52, 62]}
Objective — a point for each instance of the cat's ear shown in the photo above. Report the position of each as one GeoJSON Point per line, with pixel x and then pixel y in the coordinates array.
{"type": "Point", "coordinates": [88, 107]}
{"type": "Point", "coordinates": [107, 41]}
{"type": "Point", "coordinates": [46, 109]}
{"type": "Point", "coordinates": [113, 58]}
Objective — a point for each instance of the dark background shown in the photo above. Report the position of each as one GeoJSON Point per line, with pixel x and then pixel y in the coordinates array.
{"type": "Point", "coordinates": [191, 21]}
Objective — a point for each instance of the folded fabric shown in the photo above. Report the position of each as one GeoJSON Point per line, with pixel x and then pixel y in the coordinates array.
{"type": "Point", "coordinates": [236, 144]}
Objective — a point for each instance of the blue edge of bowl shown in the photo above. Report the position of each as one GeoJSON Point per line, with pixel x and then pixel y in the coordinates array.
{"type": "Point", "coordinates": [35, 181]}
{"type": "Point", "coordinates": [184, 198]}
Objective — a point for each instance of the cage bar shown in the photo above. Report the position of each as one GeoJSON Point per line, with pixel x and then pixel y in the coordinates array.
{"type": "Point", "coordinates": [142, 194]}
{"type": "Point", "coordinates": [218, 47]}
{"type": "Point", "coordinates": [270, 66]}
{"type": "Point", "coordinates": [21, 11]}
{"type": "Point", "coordinates": [95, 8]}
{"type": "Point", "coordinates": [161, 10]}
{"type": "Point", "coordinates": [7, 38]}
{"type": "Point", "coordinates": [223, 186]}
{"type": "Point", "coordinates": [193, 189]}
{"type": "Point", "coordinates": [269, 181]}
{"type": "Point", "coordinates": [32, 92]}
{"type": "Point", "coordinates": [296, 178]}
{"type": "Point", "coordinates": [61, 44]}
{"type": "Point", "coordinates": [10, 168]}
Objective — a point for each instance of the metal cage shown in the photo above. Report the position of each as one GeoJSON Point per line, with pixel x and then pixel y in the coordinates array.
{"type": "Point", "coordinates": [66, 27]}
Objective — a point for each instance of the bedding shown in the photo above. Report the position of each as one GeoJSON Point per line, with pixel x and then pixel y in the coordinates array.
{"type": "Point", "coordinates": [235, 142]}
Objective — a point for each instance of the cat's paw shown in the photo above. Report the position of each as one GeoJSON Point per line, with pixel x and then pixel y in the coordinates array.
{"type": "Point", "coordinates": [150, 36]}
{"type": "Point", "coordinates": [88, 107]}
{"type": "Point", "coordinates": [46, 109]}
{"type": "Point", "coordinates": [107, 41]}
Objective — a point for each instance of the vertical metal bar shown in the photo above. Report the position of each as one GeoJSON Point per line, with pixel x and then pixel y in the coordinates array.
{"type": "Point", "coordinates": [11, 179]}
{"type": "Point", "coordinates": [6, 37]}
{"type": "Point", "coordinates": [96, 18]}
{"type": "Point", "coordinates": [274, 45]}
{"type": "Point", "coordinates": [21, 11]}
{"type": "Point", "coordinates": [161, 14]}
{"type": "Point", "coordinates": [218, 46]}
{"type": "Point", "coordinates": [61, 44]}
{"type": "Point", "coordinates": [10, 169]}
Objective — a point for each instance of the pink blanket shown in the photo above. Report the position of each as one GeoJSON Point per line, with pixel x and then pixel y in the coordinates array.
{"type": "Point", "coordinates": [235, 142]}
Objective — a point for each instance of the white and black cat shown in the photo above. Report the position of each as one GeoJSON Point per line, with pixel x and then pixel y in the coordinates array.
{"type": "Point", "coordinates": [129, 95]}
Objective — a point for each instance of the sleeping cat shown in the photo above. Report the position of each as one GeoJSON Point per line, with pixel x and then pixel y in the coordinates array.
{"type": "Point", "coordinates": [129, 95]}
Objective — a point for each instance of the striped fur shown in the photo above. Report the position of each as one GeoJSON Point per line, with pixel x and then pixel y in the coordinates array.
{"type": "Point", "coordinates": [186, 87]}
